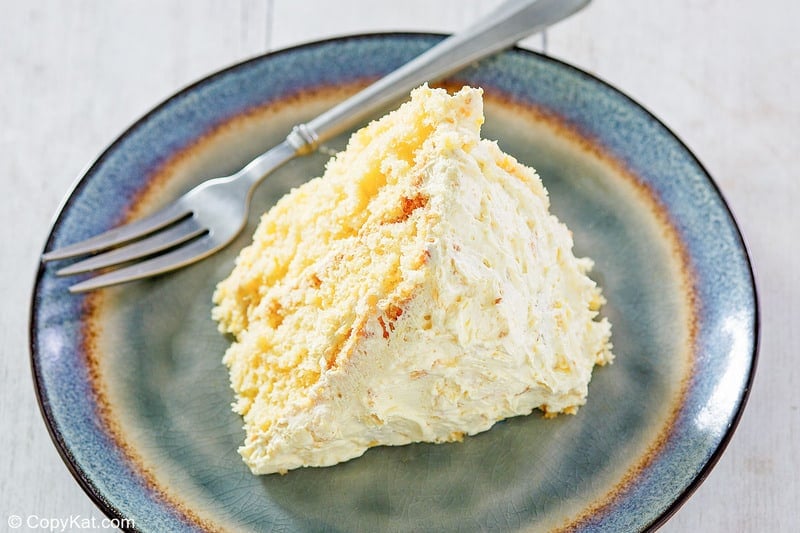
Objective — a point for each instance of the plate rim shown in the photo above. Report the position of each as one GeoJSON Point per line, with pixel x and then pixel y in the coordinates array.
{"type": "Point", "coordinates": [112, 512]}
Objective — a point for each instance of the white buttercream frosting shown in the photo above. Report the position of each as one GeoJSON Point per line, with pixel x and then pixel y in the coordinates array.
{"type": "Point", "coordinates": [419, 291]}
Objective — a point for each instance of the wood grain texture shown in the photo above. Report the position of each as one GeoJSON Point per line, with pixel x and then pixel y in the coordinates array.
{"type": "Point", "coordinates": [721, 74]}
{"type": "Point", "coordinates": [297, 21]}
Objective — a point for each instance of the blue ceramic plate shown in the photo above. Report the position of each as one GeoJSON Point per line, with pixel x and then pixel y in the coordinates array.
{"type": "Point", "coordinates": [137, 400]}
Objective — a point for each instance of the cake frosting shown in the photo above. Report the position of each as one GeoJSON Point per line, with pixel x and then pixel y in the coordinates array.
{"type": "Point", "coordinates": [420, 290]}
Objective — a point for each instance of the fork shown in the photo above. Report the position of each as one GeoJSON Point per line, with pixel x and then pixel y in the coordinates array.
{"type": "Point", "coordinates": [210, 216]}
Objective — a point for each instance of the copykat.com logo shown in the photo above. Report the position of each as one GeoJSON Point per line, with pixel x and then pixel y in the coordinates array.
{"type": "Point", "coordinates": [67, 523]}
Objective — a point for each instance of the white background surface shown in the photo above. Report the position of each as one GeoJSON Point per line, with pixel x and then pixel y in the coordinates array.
{"type": "Point", "coordinates": [722, 74]}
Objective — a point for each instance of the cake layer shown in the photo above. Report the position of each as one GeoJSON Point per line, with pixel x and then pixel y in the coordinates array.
{"type": "Point", "coordinates": [419, 290]}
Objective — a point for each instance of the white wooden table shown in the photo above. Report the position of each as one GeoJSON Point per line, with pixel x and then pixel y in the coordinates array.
{"type": "Point", "coordinates": [722, 75]}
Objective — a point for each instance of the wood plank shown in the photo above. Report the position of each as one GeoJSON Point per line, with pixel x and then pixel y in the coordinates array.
{"type": "Point", "coordinates": [300, 21]}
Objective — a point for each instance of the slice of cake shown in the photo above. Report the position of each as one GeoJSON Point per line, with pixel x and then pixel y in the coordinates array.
{"type": "Point", "coordinates": [418, 291]}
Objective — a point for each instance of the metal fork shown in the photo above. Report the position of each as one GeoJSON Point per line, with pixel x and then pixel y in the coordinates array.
{"type": "Point", "coordinates": [208, 217]}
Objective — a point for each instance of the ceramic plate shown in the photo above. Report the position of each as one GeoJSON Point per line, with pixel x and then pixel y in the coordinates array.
{"type": "Point", "coordinates": [130, 378]}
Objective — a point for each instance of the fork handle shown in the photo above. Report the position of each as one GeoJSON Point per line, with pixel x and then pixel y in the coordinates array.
{"type": "Point", "coordinates": [501, 28]}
